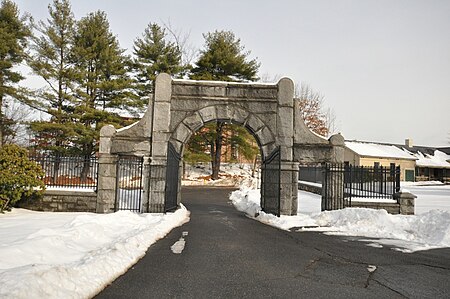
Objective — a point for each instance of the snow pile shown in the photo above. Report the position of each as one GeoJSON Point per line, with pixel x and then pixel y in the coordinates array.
{"type": "Point", "coordinates": [73, 255]}
{"type": "Point", "coordinates": [248, 201]}
{"type": "Point", "coordinates": [420, 232]}
{"type": "Point", "coordinates": [411, 233]}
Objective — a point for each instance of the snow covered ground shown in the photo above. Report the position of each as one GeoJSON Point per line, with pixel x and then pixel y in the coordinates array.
{"type": "Point", "coordinates": [231, 174]}
{"type": "Point", "coordinates": [430, 195]}
{"type": "Point", "coordinates": [73, 255]}
{"type": "Point", "coordinates": [429, 228]}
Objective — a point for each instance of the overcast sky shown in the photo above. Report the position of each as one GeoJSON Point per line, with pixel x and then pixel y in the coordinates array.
{"type": "Point", "coordinates": [382, 65]}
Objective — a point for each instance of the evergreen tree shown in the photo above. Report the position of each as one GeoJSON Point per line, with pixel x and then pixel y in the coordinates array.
{"type": "Point", "coordinates": [154, 55]}
{"type": "Point", "coordinates": [14, 33]}
{"type": "Point", "coordinates": [51, 60]}
{"type": "Point", "coordinates": [223, 59]}
{"type": "Point", "coordinates": [103, 84]}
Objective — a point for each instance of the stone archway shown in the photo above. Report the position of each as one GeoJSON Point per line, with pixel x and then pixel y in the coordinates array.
{"type": "Point", "coordinates": [231, 113]}
{"type": "Point", "coordinates": [181, 107]}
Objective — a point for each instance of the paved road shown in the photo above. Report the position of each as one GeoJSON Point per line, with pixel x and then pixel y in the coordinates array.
{"type": "Point", "coordinates": [228, 255]}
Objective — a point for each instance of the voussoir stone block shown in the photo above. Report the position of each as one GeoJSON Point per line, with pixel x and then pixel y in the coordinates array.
{"type": "Point", "coordinates": [182, 133]}
{"type": "Point", "coordinates": [265, 136]}
{"type": "Point", "coordinates": [239, 115]}
{"type": "Point", "coordinates": [254, 123]}
{"type": "Point", "coordinates": [194, 122]}
{"type": "Point", "coordinates": [208, 113]}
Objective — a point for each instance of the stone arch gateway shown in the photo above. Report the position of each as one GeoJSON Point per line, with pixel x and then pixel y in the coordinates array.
{"type": "Point", "coordinates": [181, 107]}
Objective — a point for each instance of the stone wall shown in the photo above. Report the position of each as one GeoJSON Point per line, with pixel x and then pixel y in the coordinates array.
{"type": "Point", "coordinates": [310, 188]}
{"type": "Point", "coordinates": [391, 208]}
{"type": "Point", "coordinates": [62, 201]}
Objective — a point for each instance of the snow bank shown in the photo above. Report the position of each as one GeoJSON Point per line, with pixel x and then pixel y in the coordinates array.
{"type": "Point", "coordinates": [73, 255]}
{"type": "Point", "coordinates": [408, 233]}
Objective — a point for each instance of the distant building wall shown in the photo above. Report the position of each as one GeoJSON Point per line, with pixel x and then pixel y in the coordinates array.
{"type": "Point", "coordinates": [351, 157]}
{"type": "Point", "coordinates": [405, 165]}
{"type": "Point", "coordinates": [357, 160]}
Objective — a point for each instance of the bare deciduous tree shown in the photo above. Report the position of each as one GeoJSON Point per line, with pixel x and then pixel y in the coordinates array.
{"type": "Point", "coordinates": [318, 119]}
{"type": "Point", "coordinates": [182, 39]}
{"type": "Point", "coordinates": [18, 116]}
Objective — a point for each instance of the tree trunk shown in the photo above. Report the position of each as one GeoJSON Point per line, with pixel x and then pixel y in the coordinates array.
{"type": "Point", "coordinates": [56, 166]}
{"type": "Point", "coordinates": [1, 115]}
{"type": "Point", "coordinates": [254, 166]}
{"type": "Point", "coordinates": [87, 162]}
{"type": "Point", "coordinates": [217, 151]}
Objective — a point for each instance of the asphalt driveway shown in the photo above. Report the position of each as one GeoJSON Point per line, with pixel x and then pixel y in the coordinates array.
{"type": "Point", "coordinates": [228, 255]}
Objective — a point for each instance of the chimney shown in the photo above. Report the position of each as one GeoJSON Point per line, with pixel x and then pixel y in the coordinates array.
{"type": "Point", "coordinates": [409, 142]}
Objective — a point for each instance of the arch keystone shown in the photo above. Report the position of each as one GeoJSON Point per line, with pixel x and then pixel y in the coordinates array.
{"type": "Point", "coordinates": [224, 112]}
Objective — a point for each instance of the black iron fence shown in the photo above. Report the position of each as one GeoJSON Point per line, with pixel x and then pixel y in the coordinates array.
{"type": "Point", "coordinates": [130, 185]}
{"type": "Point", "coordinates": [361, 181]}
{"type": "Point", "coordinates": [354, 181]}
{"type": "Point", "coordinates": [311, 173]}
{"type": "Point", "coordinates": [371, 182]}
{"type": "Point", "coordinates": [68, 171]}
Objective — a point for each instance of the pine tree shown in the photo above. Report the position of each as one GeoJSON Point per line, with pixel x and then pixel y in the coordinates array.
{"type": "Point", "coordinates": [223, 59]}
{"type": "Point", "coordinates": [154, 55]}
{"type": "Point", "coordinates": [103, 84]}
{"type": "Point", "coordinates": [51, 60]}
{"type": "Point", "coordinates": [14, 33]}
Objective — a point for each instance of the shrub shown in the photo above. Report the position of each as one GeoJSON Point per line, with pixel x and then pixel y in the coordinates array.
{"type": "Point", "coordinates": [19, 177]}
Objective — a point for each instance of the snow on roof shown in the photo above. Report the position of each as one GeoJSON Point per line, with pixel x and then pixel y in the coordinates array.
{"type": "Point", "coordinates": [438, 160]}
{"type": "Point", "coordinates": [132, 112]}
{"type": "Point", "coordinates": [377, 150]}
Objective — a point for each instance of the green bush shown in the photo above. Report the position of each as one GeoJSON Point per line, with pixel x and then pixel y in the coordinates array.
{"type": "Point", "coordinates": [19, 177]}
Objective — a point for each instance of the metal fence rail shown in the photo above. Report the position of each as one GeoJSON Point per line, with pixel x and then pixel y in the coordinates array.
{"type": "Point", "coordinates": [311, 173]}
{"type": "Point", "coordinates": [68, 171]}
{"type": "Point", "coordinates": [354, 181]}
{"type": "Point", "coordinates": [371, 182]}
{"type": "Point", "coordinates": [129, 183]}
